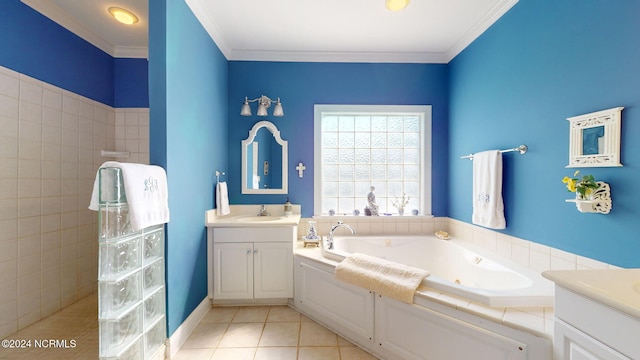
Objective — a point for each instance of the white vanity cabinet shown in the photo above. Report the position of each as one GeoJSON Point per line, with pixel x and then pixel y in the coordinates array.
{"type": "Point", "coordinates": [251, 263]}
{"type": "Point", "coordinates": [597, 314]}
{"type": "Point", "coordinates": [585, 329]}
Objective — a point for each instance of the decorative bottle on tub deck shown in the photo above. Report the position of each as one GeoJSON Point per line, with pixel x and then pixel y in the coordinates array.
{"type": "Point", "coordinates": [371, 198]}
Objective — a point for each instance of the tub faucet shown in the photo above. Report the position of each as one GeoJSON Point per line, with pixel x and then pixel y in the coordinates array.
{"type": "Point", "coordinates": [263, 211]}
{"type": "Point", "coordinates": [333, 229]}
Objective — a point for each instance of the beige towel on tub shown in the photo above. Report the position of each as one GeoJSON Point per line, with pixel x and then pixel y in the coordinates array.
{"type": "Point", "coordinates": [388, 278]}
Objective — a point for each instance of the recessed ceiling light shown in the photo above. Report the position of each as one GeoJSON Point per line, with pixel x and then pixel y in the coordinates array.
{"type": "Point", "coordinates": [123, 15]}
{"type": "Point", "coordinates": [396, 5]}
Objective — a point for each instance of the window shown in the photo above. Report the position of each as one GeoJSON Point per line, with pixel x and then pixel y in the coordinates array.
{"type": "Point", "coordinates": [359, 146]}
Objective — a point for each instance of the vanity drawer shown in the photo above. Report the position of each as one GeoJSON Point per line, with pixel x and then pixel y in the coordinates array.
{"type": "Point", "coordinates": [254, 234]}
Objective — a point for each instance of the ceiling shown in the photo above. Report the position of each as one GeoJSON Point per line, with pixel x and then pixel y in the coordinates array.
{"type": "Point", "coordinates": [427, 31]}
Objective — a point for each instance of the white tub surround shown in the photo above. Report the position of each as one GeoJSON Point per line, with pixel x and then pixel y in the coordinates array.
{"type": "Point", "coordinates": [250, 257]}
{"type": "Point", "coordinates": [461, 270]}
{"type": "Point", "coordinates": [434, 326]}
{"type": "Point", "coordinates": [597, 314]}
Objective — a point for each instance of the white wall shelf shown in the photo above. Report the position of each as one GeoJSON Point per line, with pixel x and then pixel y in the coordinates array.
{"type": "Point", "coordinates": [600, 200]}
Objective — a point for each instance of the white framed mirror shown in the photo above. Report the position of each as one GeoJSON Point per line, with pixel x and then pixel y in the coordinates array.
{"type": "Point", "coordinates": [594, 139]}
{"type": "Point", "coordinates": [264, 160]}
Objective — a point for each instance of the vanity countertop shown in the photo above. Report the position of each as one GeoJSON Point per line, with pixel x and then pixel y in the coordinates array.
{"type": "Point", "coordinates": [616, 288]}
{"type": "Point", "coordinates": [250, 219]}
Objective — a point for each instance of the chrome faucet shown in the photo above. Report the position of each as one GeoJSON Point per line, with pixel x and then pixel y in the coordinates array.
{"type": "Point", "coordinates": [333, 229]}
{"type": "Point", "coordinates": [263, 211]}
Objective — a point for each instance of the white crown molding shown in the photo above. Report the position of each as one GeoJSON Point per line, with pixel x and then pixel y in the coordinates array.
{"type": "Point", "coordinates": [201, 11]}
{"type": "Point", "coordinates": [327, 56]}
{"type": "Point", "coordinates": [480, 27]}
{"type": "Point", "coordinates": [132, 52]}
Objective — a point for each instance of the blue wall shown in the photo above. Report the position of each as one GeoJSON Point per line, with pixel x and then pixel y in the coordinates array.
{"type": "Point", "coordinates": [33, 45]}
{"type": "Point", "coordinates": [542, 62]}
{"type": "Point", "coordinates": [188, 137]}
{"type": "Point", "coordinates": [131, 83]}
{"type": "Point", "coordinates": [301, 85]}
{"type": "Point", "coordinates": [36, 46]}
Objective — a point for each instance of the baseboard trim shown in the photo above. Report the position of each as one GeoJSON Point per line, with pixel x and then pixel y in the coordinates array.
{"type": "Point", "coordinates": [180, 336]}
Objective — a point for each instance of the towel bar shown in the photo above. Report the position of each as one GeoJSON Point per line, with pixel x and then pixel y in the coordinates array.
{"type": "Point", "coordinates": [522, 149]}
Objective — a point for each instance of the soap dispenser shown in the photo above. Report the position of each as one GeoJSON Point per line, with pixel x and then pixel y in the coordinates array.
{"type": "Point", "coordinates": [287, 208]}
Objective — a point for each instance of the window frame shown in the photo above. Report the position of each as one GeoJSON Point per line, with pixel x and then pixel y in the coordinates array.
{"type": "Point", "coordinates": [424, 111]}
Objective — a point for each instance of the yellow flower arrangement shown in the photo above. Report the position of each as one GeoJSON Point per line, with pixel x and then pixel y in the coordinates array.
{"type": "Point", "coordinates": [584, 187]}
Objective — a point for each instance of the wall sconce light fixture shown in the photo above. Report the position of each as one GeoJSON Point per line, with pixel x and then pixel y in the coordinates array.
{"type": "Point", "coordinates": [264, 103]}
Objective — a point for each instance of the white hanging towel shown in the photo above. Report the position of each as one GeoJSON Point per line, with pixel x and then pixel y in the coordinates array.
{"type": "Point", "coordinates": [222, 199]}
{"type": "Point", "coordinates": [488, 208]}
{"type": "Point", "coordinates": [147, 193]}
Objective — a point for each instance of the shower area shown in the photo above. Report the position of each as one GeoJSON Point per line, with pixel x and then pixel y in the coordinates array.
{"type": "Point", "coordinates": [50, 151]}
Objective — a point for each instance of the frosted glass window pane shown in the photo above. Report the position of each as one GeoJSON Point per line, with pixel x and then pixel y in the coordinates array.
{"type": "Point", "coordinates": [412, 124]}
{"type": "Point", "coordinates": [411, 156]}
{"type": "Point", "coordinates": [378, 156]}
{"type": "Point", "coordinates": [412, 188]}
{"type": "Point", "coordinates": [379, 123]}
{"type": "Point", "coordinates": [411, 140]}
{"type": "Point", "coordinates": [411, 172]}
{"type": "Point", "coordinates": [346, 156]}
{"type": "Point", "coordinates": [345, 206]}
{"type": "Point", "coordinates": [378, 172]}
{"type": "Point", "coordinates": [346, 140]}
{"type": "Point", "coordinates": [345, 123]}
{"type": "Point", "coordinates": [361, 172]}
{"type": "Point", "coordinates": [329, 172]}
{"type": "Point", "coordinates": [378, 140]}
{"type": "Point", "coordinates": [329, 123]}
{"type": "Point", "coordinates": [395, 190]}
{"type": "Point", "coordinates": [345, 189]}
{"type": "Point", "coordinates": [329, 203]}
{"type": "Point", "coordinates": [362, 140]}
{"type": "Point", "coordinates": [329, 140]}
{"type": "Point", "coordinates": [395, 124]}
{"type": "Point", "coordinates": [330, 188]}
{"type": "Point", "coordinates": [362, 156]}
{"type": "Point", "coordinates": [394, 140]}
{"type": "Point", "coordinates": [346, 173]}
{"type": "Point", "coordinates": [394, 172]}
{"type": "Point", "coordinates": [360, 192]}
{"type": "Point", "coordinates": [394, 156]}
{"type": "Point", "coordinates": [363, 123]}
{"type": "Point", "coordinates": [330, 156]}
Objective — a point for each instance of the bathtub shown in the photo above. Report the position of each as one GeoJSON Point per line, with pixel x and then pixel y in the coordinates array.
{"type": "Point", "coordinates": [463, 271]}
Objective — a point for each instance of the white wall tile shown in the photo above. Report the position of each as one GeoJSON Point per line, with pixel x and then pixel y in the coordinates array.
{"type": "Point", "coordinates": [49, 154]}
{"type": "Point", "coordinates": [9, 126]}
{"type": "Point", "coordinates": [9, 85]}
{"type": "Point", "coordinates": [30, 112]}
{"type": "Point", "coordinates": [51, 98]}
{"type": "Point", "coordinates": [9, 106]}
{"type": "Point", "coordinates": [31, 92]}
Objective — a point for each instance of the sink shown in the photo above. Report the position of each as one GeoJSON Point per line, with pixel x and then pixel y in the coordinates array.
{"type": "Point", "coordinates": [257, 218]}
{"type": "Point", "coordinates": [636, 288]}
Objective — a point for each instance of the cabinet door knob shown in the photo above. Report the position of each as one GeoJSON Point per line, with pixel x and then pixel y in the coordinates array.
{"type": "Point", "coordinates": [248, 251]}
{"type": "Point", "coordinates": [255, 251]}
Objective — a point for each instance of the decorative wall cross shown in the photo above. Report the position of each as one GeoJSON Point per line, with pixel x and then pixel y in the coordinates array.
{"type": "Point", "coordinates": [301, 168]}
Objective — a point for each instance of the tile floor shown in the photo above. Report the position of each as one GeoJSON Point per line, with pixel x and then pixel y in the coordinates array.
{"type": "Point", "coordinates": [265, 333]}
{"type": "Point", "coordinates": [255, 333]}
{"type": "Point", "coordinates": [77, 322]}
